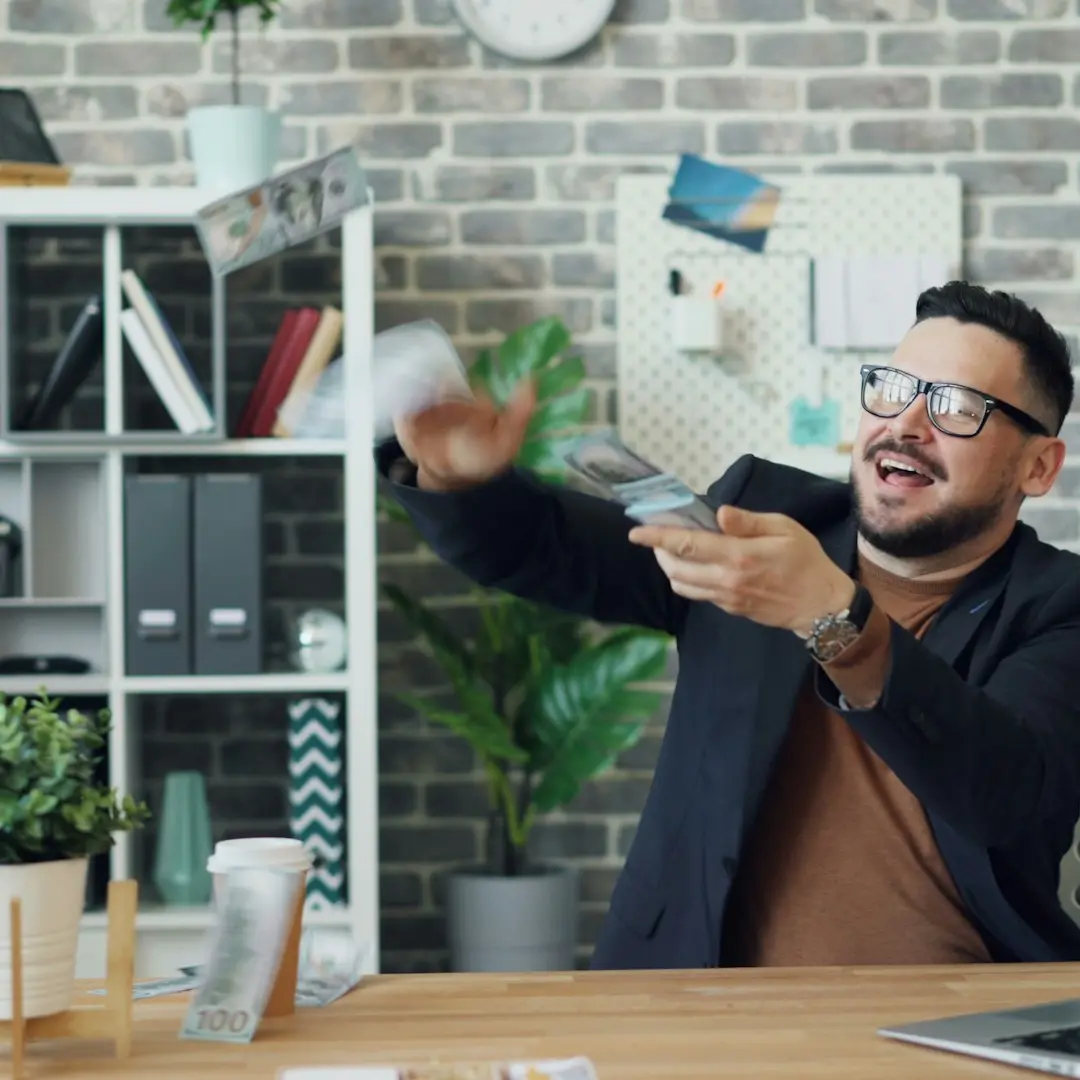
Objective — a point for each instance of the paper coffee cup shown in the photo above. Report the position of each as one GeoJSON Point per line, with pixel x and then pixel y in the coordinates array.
{"type": "Point", "coordinates": [269, 853]}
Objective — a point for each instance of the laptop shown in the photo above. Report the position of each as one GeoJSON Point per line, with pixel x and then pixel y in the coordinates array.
{"type": "Point", "coordinates": [1045, 1038]}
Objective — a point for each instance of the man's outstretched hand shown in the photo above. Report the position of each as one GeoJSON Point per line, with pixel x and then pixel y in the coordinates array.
{"type": "Point", "coordinates": [765, 567]}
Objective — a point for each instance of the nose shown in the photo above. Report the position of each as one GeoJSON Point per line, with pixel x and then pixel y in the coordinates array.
{"type": "Point", "coordinates": [913, 424]}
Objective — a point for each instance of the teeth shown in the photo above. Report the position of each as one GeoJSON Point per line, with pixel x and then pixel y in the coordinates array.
{"type": "Point", "coordinates": [903, 466]}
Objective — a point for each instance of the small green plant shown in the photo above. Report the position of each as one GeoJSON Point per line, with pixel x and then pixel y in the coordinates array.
{"type": "Point", "coordinates": [206, 13]}
{"type": "Point", "coordinates": [52, 803]}
{"type": "Point", "coordinates": [546, 701]}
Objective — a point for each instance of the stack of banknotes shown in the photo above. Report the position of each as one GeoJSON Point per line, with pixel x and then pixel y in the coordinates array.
{"type": "Point", "coordinates": [650, 494]}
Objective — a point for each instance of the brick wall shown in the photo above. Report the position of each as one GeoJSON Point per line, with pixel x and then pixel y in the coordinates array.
{"type": "Point", "coordinates": [495, 183]}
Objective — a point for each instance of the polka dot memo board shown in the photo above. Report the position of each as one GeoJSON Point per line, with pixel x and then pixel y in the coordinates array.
{"type": "Point", "coordinates": [694, 412]}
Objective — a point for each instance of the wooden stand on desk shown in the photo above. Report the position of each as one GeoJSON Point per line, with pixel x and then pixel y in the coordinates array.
{"type": "Point", "coordinates": [112, 1020]}
{"type": "Point", "coordinates": [32, 174]}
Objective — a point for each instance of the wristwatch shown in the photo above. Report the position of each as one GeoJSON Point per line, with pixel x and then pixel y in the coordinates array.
{"type": "Point", "coordinates": [831, 634]}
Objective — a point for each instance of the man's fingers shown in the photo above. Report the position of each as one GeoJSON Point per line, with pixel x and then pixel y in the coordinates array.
{"type": "Point", "coordinates": [734, 521]}
{"type": "Point", "coordinates": [691, 544]}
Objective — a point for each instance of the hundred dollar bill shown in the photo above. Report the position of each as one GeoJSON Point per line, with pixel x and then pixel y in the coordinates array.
{"type": "Point", "coordinates": [171, 984]}
{"type": "Point", "coordinates": [245, 949]}
{"type": "Point", "coordinates": [251, 224]}
{"type": "Point", "coordinates": [650, 494]}
{"type": "Point", "coordinates": [578, 1068]}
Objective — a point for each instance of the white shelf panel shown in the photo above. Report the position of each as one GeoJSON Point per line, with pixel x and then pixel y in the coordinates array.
{"type": "Point", "coordinates": [57, 603]}
{"type": "Point", "coordinates": [201, 917]}
{"type": "Point", "coordinates": [55, 685]}
{"type": "Point", "coordinates": [87, 205]}
{"type": "Point", "coordinates": [287, 682]}
{"type": "Point", "coordinates": [83, 443]}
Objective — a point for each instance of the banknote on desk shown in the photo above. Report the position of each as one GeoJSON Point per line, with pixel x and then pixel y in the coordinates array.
{"type": "Point", "coordinates": [245, 951]}
{"type": "Point", "coordinates": [650, 494]}
{"type": "Point", "coordinates": [578, 1068]}
{"type": "Point", "coordinates": [288, 209]}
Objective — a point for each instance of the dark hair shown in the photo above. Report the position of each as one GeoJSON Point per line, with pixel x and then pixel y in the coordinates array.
{"type": "Point", "coordinates": [1046, 353]}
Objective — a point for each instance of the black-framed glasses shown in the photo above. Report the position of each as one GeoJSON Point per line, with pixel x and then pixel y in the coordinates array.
{"type": "Point", "coordinates": [956, 410]}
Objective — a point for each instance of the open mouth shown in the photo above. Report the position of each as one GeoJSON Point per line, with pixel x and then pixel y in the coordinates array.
{"type": "Point", "coordinates": [898, 472]}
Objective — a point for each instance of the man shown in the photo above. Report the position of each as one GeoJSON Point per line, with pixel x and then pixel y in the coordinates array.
{"type": "Point", "coordinates": [873, 749]}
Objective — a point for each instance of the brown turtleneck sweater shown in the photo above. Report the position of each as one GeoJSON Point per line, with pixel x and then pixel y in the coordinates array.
{"type": "Point", "coordinates": [841, 866]}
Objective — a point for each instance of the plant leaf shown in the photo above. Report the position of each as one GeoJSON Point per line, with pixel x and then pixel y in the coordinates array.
{"type": "Point", "coordinates": [449, 649]}
{"type": "Point", "coordinates": [585, 713]}
{"type": "Point", "coordinates": [560, 378]}
{"type": "Point", "coordinates": [558, 413]}
{"type": "Point", "coordinates": [490, 740]}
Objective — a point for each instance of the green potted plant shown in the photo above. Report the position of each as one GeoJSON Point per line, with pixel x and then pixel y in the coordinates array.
{"type": "Point", "coordinates": [54, 815]}
{"type": "Point", "coordinates": [546, 700]}
{"type": "Point", "coordinates": [233, 145]}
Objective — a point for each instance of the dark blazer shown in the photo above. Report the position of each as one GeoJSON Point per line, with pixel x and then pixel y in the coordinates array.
{"type": "Point", "coordinates": [980, 719]}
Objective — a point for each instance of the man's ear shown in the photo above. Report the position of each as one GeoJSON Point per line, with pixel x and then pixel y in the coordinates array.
{"type": "Point", "coordinates": [1042, 464]}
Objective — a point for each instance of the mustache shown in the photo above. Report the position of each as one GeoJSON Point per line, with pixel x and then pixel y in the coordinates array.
{"type": "Point", "coordinates": [912, 453]}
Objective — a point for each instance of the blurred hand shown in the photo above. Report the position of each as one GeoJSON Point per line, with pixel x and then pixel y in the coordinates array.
{"type": "Point", "coordinates": [457, 444]}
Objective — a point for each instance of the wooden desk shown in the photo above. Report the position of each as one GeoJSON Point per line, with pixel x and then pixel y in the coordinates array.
{"type": "Point", "coordinates": [697, 1025]}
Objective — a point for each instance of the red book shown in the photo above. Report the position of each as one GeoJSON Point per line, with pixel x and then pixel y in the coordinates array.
{"type": "Point", "coordinates": [285, 365]}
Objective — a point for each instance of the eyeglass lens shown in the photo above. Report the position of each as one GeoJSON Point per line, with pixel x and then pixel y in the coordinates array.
{"type": "Point", "coordinates": [952, 408]}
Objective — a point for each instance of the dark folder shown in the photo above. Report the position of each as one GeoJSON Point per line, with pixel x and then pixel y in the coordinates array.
{"type": "Point", "coordinates": [157, 563]}
{"type": "Point", "coordinates": [228, 568]}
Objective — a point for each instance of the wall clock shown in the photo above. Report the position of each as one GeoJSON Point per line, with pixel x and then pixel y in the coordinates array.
{"type": "Point", "coordinates": [534, 29]}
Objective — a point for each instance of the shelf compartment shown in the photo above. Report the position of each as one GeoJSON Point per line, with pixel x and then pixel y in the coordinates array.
{"type": "Point", "coordinates": [14, 505]}
{"type": "Point", "coordinates": [67, 530]}
{"type": "Point", "coordinates": [55, 630]}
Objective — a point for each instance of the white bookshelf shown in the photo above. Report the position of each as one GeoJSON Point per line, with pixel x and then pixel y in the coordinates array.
{"type": "Point", "coordinates": [59, 484]}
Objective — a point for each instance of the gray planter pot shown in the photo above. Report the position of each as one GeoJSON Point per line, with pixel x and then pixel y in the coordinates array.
{"type": "Point", "coordinates": [522, 923]}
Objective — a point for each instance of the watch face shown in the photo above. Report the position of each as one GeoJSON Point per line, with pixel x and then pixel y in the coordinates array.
{"type": "Point", "coordinates": [534, 29]}
{"type": "Point", "coordinates": [833, 638]}
{"type": "Point", "coordinates": [320, 641]}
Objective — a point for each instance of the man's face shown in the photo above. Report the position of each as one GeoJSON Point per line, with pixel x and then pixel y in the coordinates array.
{"type": "Point", "coordinates": [964, 487]}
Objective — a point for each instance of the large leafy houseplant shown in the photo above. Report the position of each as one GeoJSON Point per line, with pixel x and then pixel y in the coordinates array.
{"type": "Point", "coordinates": [546, 700]}
{"type": "Point", "coordinates": [205, 13]}
{"type": "Point", "coordinates": [52, 804]}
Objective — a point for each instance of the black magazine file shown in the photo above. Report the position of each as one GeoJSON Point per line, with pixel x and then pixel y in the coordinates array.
{"type": "Point", "coordinates": [22, 138]}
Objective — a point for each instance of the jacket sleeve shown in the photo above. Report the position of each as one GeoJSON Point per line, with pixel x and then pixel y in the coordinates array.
{"type": "Point", "coordinates": [545, 543]}
{"type": "Point", "coordinates": [996, 761]}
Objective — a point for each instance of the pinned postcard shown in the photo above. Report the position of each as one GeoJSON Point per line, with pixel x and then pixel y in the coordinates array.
{"type": "Point", "coordinates": [722, 202]}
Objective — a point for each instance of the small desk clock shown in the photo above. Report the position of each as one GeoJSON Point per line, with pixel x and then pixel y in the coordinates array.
{"type": "Point", "coordinates": [534, 29]}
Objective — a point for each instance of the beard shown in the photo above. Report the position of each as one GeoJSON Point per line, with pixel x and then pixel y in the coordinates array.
{"type": "Point", "coordinates": [935, 533]}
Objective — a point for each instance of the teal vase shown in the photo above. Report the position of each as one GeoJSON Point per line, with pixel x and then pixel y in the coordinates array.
{"type": "Point", "coordinates": [184, 842]}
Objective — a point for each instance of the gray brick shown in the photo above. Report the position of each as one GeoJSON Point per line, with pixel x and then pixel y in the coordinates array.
{"type": "Point", "coordinates": [1054, 525]}
{"type": "Point", "coordinates": [869, 92]}
{"type": "Point", "coordinates": [118, 58]}
{"type": "Point", "coordinates": [458, 273]}
{"type": "Point", "coordinates": [736, 92]}
{"type": "Point", "coordinates": [918, 48]}
{"type": "Point", "coordinates": [529, 138]}
{"type": "Point", "coordinates": [391, 312]}
{"type": "Point", "coordinates": [874, 168]}
{"type": "Point", "coordinates": [645, 137]}
{"type": "Point", "coordinates": [591, 54]}
{"type": "Point", "coordinates": [1018, 264]}
{"type": "Point", "coordinates": [421, 52]}
{"type": "Point", "coordinates": [674, 50]}
{"type": "Point", "coordinates": [781, 137]}
{"type": "Point", "coordinates": [568, 839]}
{"type": "Point", "coordinates": [339, 14]}
{"type": "Point", "coordinates": [483, 94]}
{"type": "Point", "coordinates": [88, 104]}
{"type": "Point", "coordinates": [1010, 177]}
{"type": "Point", "coordinates": [599, 93]}
{"type": "Point", "coordinates": [591, 270]}
{"type": "Point", "coordinates": [70, 17]}
{"type": "Point", "coordinates": [386, 140]}
{"type": "Point", "coordinates": [174, 100]}
{"type": "Point", "coordinates": [876, 10]}
{"type": "Point", "coordinates": [611, 794]}
{"type": "Point", "coordinates": [744, 10]}
{"type": "Point", "coordinates": [434, 12]}
{"type": "Point", "coordinates": [605, 226]}
{"type": "Point", "coordinates": [1058, 46]}
{"type": "Point", "coordinates": [1060, 308]}
{"type": "Point", "coordinates": [1059, 221]}
{"type": "Point", "coordinates": [913, 136]}
{"type": "Point", "coordinates": [341, 96]}
{"type": "Point", "coordinates": [138, 147]}
{"type": "Point", "coordinates": [793, 49]}
{"type": "Point", "coordinates": [1001, 91]}
{"type": "Point", "coordinates": [525, 227]}
{"type": "Point", "coordinates": [1006, 9]}
{"type": "Point", "coordinates": [18, 58]}
{"type": "Point", "coordinates": [403, 844]}
{"type": "Point", "coordinates": [475, 183]}
{"type": "Point", "coordinates": [581, 183]}
{"type": "Point", "coordinates": [641, 11]}
{"type": "Point", "coordinates": [270, 56]}
{"type": "Point", "coordinates": [411, 228]}
{"type": "Point", "coordinates": [506, 316]}
{"type": "Point", "coordinates": [1032, 133]}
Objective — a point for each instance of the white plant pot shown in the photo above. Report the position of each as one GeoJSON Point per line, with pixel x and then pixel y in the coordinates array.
{"type": "Point", "coordinates": [52, 896]}
{"type": "Point", "coordinates": [233, 146]}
